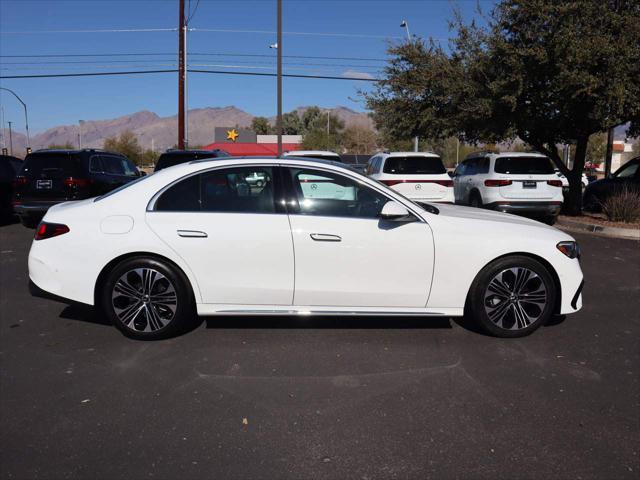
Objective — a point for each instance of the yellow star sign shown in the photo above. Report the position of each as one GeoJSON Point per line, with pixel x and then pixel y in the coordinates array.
{"type": "Point", "coordinates": [232, 134]}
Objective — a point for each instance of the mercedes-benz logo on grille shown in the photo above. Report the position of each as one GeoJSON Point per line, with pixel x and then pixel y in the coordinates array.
{"type": "Point", "coordinates": [313, 186]}
{"type": "Point", "coordinates": [418, 186]}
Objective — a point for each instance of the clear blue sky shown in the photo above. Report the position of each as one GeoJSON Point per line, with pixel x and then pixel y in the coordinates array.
{"type": "Point", "coordinates": [371, 24]}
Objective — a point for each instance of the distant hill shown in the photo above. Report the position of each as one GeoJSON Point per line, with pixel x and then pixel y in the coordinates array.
{"type": "Point", "coordinates": [153, 129]}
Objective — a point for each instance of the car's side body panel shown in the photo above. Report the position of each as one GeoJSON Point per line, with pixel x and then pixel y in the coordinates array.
{"type": "Point", "coordinates": [462, 242]}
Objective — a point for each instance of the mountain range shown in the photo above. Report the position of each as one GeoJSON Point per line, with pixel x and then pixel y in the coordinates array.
{"type": "Point", "coordinates": [154, 131]}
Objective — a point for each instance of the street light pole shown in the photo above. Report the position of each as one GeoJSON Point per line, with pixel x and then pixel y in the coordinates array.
{"type": "Point", "coordinates": [80, 122]}
{"type": "Point", "coordinates": [26, 115]}
{"type": "Point", "coordinates": [279, 82]}
{"type": "Point", "coordinates": [404, 24]}
{"type": "Point", "coordinates": [181, 75]}
{"type": "Point", "coordinates": [10, 139]}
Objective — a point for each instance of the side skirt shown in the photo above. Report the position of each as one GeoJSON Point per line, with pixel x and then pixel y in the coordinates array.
{"type": "Point", "coordinates": [207, 309]}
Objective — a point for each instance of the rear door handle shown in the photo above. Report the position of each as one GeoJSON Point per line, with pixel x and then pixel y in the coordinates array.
{"type": "Point", "coordinates": [325, 237]}
{"type": "Point", "coordinates": [192, 234]}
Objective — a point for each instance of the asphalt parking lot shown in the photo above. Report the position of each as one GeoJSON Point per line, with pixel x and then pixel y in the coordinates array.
{"type": "Point", "coordinates": [361, 398]}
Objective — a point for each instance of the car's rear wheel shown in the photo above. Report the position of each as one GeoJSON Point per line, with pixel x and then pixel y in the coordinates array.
{"type": "Point", "coordinates": [512, 296]}
{"type": "Point", "coordinates": [147, 299]}
{"type": "Point", "coordinates": [475, 200]}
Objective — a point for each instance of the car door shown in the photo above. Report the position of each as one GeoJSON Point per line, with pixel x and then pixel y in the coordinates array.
{"type": "Point", "coordinates": [460, 182]}
{"type": "Point", "coordinates": [233, 235]}
{"type": "Point", "coordinates": [345, 255]}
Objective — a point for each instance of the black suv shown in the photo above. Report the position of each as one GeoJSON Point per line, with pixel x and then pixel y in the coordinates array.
{"type": "Point", "coordinates": [49, 177]}
{"type": "Point", "coordinates": [176, 157]}
{"type": "Point", "coordinates": [9, 167]}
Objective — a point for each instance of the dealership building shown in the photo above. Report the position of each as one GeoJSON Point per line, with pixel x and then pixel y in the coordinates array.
{"type": "Point", "coordinates": [241, 142]}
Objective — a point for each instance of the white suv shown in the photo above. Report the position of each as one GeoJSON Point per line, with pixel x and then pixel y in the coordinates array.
{"type": "Point", "coordinates": [510, 182]}
{"type": "Point", "coordinates": [419, 176]}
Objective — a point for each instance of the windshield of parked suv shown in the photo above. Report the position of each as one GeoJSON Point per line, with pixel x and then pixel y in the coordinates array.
{"type": "Point", "coordinates": [524, 165]}
{"type": "Point", "coordinates": [414, 166]}
{"type": "Point", "coordinates": [319, 156]}
{"type": "Point", "coordinates": [51, 165]}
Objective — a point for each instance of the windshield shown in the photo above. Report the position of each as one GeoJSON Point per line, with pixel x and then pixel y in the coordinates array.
{"type": "Point", "coordinates": [51, 165]}
{"type": "Point", "coordinates": [524, 165]}
{"type": "Point", "coordinates": [414, 166]}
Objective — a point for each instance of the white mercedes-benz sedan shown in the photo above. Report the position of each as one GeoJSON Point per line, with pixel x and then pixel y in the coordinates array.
{"type": "Point", "coordinates": [313, 238]}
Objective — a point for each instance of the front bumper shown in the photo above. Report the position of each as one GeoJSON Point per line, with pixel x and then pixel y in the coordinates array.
{"type": "Point", "coordinates": [541, 208]}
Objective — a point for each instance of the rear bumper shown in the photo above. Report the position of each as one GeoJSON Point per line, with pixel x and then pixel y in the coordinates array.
{"type": "Point", "coordinates": [32, 207]}
{"type": "Point", "coordinates": [543, 208]}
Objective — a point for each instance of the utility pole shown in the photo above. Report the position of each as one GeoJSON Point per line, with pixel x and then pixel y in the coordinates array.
{"type": "Point", "coordinates": [279, 82]}
{"type": "Point", "coordinates": [10, 139]}
{"type": "Point", "coordinates": [609, 155]}
{"type": "Point", "coordinates": [404, 24]}
{"type": "Point", "coordinates": [181, 75]}
{"type": "Point", "coordinates": [327, 129]}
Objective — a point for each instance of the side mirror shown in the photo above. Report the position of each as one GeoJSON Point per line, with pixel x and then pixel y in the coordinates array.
{"type": "Point", "coordinates": [142, 173]}
{"type": "Point", "coordinates": [452, 173]}
{"type": "Point", "coordinates": [396, 212]}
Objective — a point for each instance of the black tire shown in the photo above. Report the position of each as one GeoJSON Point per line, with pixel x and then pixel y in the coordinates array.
{"type": "Point", "coordinates": [591, 203]}
{"type": "Point", "coordinates": [550, 220]}
{"type": "Point", "coordinates": [475, 200]}
{"type": "Point", "coordinates": [482, 299]}
{"type": "Point", "coordinates": [161, 318]}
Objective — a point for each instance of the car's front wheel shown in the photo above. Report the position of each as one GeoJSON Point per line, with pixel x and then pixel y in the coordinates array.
{"type": "Point", "coordinates": [147, 298]}
{"type": "Point", "coordinates": [512, 296]}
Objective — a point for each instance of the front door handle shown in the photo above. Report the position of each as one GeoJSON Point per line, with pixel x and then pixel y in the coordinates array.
{"type": "Point", "coordinates": [192, 234]}
{"type": "Point", "coordinates": [325, 237]}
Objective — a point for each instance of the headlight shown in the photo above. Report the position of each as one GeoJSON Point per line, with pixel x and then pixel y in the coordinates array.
{"type": "Point", "coordinates": [570, 249]}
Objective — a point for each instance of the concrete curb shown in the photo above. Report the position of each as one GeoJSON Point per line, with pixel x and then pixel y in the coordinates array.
{"type": "Point", "coordinates": [616, 232]}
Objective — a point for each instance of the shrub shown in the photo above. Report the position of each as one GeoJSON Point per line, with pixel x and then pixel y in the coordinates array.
{"type": "Point", "coordinates": [623, 205]}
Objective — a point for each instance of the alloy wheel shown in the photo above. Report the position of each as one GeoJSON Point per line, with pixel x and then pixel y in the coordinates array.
{"type": "Point", "coordinates": [144, 300]}
{"type": "Point", "coordinates": [515, 298]}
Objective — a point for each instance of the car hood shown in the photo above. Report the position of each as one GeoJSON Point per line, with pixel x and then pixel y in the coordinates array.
{"type": "Point", "coordinates": [460, 212]}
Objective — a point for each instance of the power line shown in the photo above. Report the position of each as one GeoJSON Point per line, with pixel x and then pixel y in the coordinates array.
{"type": "Point", "coordinates": [213, 54]}
{"type": "Point", "coordinates": [317, 34]}
{"type": "Point", "coordinates": [112, 30]}
{"type": "Point", "coordinates": [217, 72]}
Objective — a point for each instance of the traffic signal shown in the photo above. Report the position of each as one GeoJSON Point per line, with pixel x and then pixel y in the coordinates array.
{"type": "Point", "coordinates": [5, 151]}
{"type": "Point", "coordinates": [28, 150]}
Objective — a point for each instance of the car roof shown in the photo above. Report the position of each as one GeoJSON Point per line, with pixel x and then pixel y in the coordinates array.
{"type": "Point", "coordinates": [410, 154]}
{"type": "Point", "coordinates": [195, 152]}
{"type": "Point", "coordinates": [72, 151]}
{"type": "Point", "coordinates": [506, 154]}
{"type": "Point", "coordinates": [10, 157]}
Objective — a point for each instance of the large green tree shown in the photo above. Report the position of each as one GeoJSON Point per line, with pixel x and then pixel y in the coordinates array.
{"type": "Point", "coordinates": [548, 72]}
{"type": "Point", "coordinates": [261, 125]}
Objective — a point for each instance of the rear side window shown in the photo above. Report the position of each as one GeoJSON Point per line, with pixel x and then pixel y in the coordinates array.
{"type": "Point", "coordinates": [52, 165]}
{"type": "Point", "coordinates": [117, 165]}
{"type": "Point", "coordinates": [239, 190]}
{"type": "Point", "coordinates": [524, 165]}
{"type": "Point", "coordinates": [414, 165]}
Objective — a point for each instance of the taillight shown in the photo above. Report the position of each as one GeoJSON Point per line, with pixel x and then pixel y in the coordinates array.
{"type": "Point", "coordinates": [497, 183]}
{"type": "Point", "coordinates": [554, 183]}
{"type": "Point", "coordinates": [76, 182]}
{"type": "Point", "coordinates": [20, 182]}
{"type": "Point", "coordinates": [47, 230]}
{"type": "Point", "coordinates": [444, 183]}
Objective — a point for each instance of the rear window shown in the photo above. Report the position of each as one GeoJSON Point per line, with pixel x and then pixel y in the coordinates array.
{"type": "Point", "coordinates": [52, 165]}
{"type": "Point", "coordinates": [414, 166]}
{"type": "Point", "coordinates": [524, 165]}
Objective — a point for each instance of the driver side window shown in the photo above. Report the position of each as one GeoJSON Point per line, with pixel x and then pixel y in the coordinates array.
{"type": "Point", "coordinates": [329, 194]}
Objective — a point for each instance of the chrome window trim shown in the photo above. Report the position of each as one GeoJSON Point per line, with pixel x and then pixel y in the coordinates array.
{"type": "Point", "coordinates": [347, 173]}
